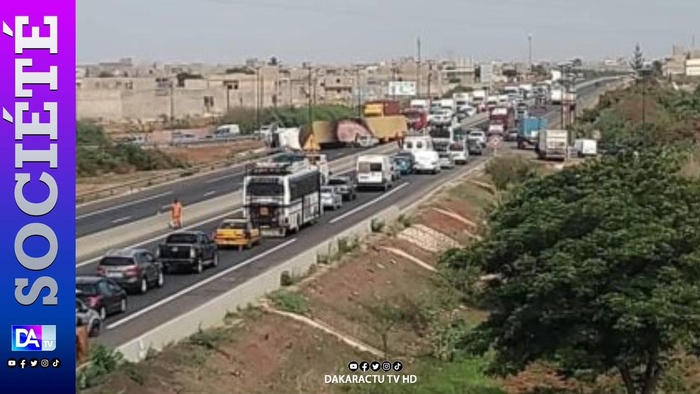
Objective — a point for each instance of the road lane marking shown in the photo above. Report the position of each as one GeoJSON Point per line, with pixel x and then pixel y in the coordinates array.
{"type": "Point", "coordinates": [209, 193]}
{"type": "Point", "coordinates": [221, 178]}
{"type": "Point", "coordinates": [199, 284]}
{"type": "Point", "coordinates": [156, 238]}
{"type": "Point", "coordinates": [125, 218]}
{"type": "Point", "coordinates": [189, 227]}
{"type": "Point", "coordinates": [368, 203]}
{"type": "Point", "coordinates": [126, 204]}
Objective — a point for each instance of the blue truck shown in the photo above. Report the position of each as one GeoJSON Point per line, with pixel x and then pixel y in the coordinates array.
{"type": "Point", "coordinates": [528, 130]}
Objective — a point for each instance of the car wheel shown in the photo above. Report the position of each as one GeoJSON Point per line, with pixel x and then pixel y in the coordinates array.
{"type": "Point", "coordinates": [143, 286]}
{"type": "Point", "coordinates": [122, 305]}
{"type": "Point", "coordinates": [95, 328]}
{"type": "Point", "coordinates": [215, 259]}
{"type": "Point", "coordinates": [103, 313]}
{"type": "Point", "coordinates": [161, 279]}
{"type": "Point", "coordinates": [199, 268]}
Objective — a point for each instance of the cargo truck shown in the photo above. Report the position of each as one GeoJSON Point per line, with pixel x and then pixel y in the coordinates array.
{"type": "Point", "coordinates": [503, 116]}
{"type": "Point", "coordinates": [552, 144]}
{"type": "Point", "coordinates": [528, 130]}
{"type": "Point", "coordinates": [384, 120]}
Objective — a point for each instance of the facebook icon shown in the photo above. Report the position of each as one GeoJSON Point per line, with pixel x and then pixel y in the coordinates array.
{"type": "Point", "coordinates": [33, 338]}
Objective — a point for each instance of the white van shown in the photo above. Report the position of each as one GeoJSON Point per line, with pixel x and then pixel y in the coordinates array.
{"type": "Point", "coordinates": [227, 131]}
{"type": "Point", "coordinates": [426, 157]}
{"type": "Point", "coordinates": [586, 147]}
{"type": "Point", "coordinates": [374, 171]}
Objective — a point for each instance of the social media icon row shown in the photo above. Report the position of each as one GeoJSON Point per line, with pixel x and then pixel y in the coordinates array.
{"type": "Point", "coordinates": [375, 366]}
{"type": "Point", "coordinates": [33, 363]}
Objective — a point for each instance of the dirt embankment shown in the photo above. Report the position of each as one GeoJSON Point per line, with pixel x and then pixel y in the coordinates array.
{"type": "Point", "coordinates": [378, 299]}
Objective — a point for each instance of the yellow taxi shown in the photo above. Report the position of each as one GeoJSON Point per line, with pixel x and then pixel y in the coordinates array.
{"type": "Point", "coordinates": [238, 233]}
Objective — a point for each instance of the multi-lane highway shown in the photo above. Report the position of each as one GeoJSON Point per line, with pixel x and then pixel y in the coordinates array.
{"type": "Point", "coordinates": [184, 292]}
{"type": "Point", "coordinates": [106, 214]}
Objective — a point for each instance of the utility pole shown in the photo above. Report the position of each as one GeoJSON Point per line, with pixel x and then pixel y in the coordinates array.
{"type": "Point", "coordinates": [359, 93]}
{"type": "Point", "coordinates": [529, 44]}
{"type": "Point", "coordinates": [430, 77]}
{"type": "Point", "coordinates": [257, 98]}
{"type": "Point", "coordinates": [561, 70]}
{"type": "Point", "coordinates": [393, 80]}
{"type": "Point", "coordinates": [418, 67]}
{"type": "Point", "coordinates": [228, 98]}
{"type": "Point", "coordinates": [311, 111]}
{"type": "Point", "coordinates": [172, 104]}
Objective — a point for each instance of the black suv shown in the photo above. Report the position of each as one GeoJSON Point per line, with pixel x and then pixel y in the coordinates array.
{"type": "Point", "coordinates": [344, 185]}
{"type": "Point", "coordinates": [190, 250]}
{"type": "Point", "coordinates": [136, 270]}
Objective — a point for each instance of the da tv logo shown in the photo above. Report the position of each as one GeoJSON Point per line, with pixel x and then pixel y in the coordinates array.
{"type": "Point", "coordinates": [33, 338]}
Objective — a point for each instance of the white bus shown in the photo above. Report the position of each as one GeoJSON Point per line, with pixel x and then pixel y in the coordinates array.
{"type": "Point", "coordinates": [282, 197]}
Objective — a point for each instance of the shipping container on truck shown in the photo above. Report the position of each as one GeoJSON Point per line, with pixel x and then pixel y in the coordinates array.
{"type": "Point", "coordinates": [504, 116]}
{"type": "Point", "coordinates": [552, 144]}
{"type": "Point", "coordinates": [387, 128]}
{"type": "Point", "coordinates": [529, 129]}
{"type": "Point", "coordinates": [382, 108]}
{"type": "Point", "coordinates": [384, 120]}
{"type": "Point", "coordinates": [324, 135]}
{"type": "Point", "coordinates": [350, 131]}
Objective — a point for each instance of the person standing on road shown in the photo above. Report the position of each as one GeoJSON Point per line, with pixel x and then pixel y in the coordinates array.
{"type": "Point", "coordinates": [176, 214]}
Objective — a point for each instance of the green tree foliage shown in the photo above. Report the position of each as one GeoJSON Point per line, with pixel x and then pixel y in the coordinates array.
{"type": "Point", "coordinates": [96, 154]}
{"type": "Point", "coordinates": [506, 172]}
{"type": "Point", "coordinates": [637, 62]}
{"type": "Point", "coordinates": [599, 270]}
{"type": "Point", "coordinates": [247, 118]}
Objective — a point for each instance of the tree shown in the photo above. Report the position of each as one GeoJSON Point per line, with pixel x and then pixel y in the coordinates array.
{"type": "Point", "coordinates": [274, 62]}
{"type": "Point", "coordinates": [598, 270]}
{"type": "Point", "coordinates": [637, 62]}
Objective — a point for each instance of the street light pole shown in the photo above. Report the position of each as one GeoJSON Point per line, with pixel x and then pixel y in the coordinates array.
{"type": "Point", "coordinates": [359, 93]}
{"type": "Point", "coordinates": [418, 64]}
{"type": "Point", "coordinates": [529, 45]}
{"type": "Point", "coordinates": [310, 104]}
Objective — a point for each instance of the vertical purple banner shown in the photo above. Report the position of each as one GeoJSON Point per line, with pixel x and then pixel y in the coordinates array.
{"type": "Point", "coordinates": [37, 174]}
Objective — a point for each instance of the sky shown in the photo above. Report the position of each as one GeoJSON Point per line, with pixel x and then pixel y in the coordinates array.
{"type": "Point", "coordinates": [336, 31]}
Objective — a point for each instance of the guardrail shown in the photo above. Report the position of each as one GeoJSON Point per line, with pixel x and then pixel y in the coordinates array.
{"type": "Point", "coordinates": [213, 140]}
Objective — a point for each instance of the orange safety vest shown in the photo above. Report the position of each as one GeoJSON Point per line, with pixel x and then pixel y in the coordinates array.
{"type": "Point", "coordinates": [176, 210]}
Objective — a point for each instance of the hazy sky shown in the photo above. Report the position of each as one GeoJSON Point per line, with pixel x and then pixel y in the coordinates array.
{"type": "Point", "coordinates": [336, 31]}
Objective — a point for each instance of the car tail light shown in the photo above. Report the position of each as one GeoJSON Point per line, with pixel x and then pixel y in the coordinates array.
{"type": "Point", "coordinates": [94, 301]}
{"type": "Point", "coordinates": [133, 271]}
{"type": "Point", "coordinates": [101, 271]}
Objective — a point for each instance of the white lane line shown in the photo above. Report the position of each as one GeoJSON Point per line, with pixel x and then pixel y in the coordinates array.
{"type": "Point", "coordinates": [154, 239]}
{"type": "Point", "coordinates": [126, 204]}
{"type": "Point", "coordinates": [368, 203]}
{"type": "Point", "coordinates": [190, 227]}
{"type": "Point", "coordinates": [209, 193]}
{"type": "Point", "coordinates": [124, 219]}
{"type": "Point", "coordinates": [221, 178]}
{"type": "Point", "coordinates": [198, 285]}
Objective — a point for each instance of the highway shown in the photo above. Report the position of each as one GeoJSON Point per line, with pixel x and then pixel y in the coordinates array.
{"type": "Point", "coordinates": [107, 214]}
{"type": "Point", "coordinates": [110, 213]}
{"type": "Point", "coordinates": [183, 292]}
{"type": "Point", "coordinates": [113, 212]}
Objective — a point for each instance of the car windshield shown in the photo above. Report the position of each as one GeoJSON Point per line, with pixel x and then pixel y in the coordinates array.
{"type": "Point", "coordinates": [181, 239]}
{"type": "Point", "coordinates": [327, 190]}
{"type": "Point", "coordinates": [116, 261]}
{"type": "Point", "coordinates": [337, 181]}
{"type": "Point", "coordinates": [88, 289]}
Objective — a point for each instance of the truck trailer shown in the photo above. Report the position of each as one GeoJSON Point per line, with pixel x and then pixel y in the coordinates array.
{"type": "Point", "coordinates": [528, 130]}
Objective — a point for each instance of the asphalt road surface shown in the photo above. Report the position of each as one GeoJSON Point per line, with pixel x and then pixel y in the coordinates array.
{"type": "Point", "coordinates": [183, 292]}
{"type": "Point", "coordinates": [104, 215]}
